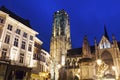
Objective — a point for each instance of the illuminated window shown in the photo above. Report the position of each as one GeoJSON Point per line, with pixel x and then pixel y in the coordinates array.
{"type": "Point", "coordinates": [18, 31]}
{"type": "Point", "coordinates": [7, 39]}
{"type": "Point", "coordinates": [29, 59]}
{"type": "Point", "coordinates": [21, 58]}
{"type": "Point", "coordinates": [9, 27]}
{"type": "Point", "coordinates": [23, 45]}
{"type": "Point", "coordinates": [105, 45]}
{"type": "Point", "coordinates": [16, 42]}
{"type": "Point", "coordinates": [30, 47]}
{"type": "Point", "coordinates": [25, 34]}
{"type": "Point", "coordinates": [63, 60]}
{"type": "Point", "coordinates": [4, 52]}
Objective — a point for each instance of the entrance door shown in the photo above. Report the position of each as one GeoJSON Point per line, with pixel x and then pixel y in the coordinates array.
{"type": "Point", "coordinates": [19, 75]}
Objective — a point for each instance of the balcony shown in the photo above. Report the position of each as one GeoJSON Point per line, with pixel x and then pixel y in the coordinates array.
{"type": "Point", "coordinates": [4, 59]}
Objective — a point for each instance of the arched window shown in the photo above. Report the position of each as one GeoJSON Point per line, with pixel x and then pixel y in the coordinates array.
{"type": "Point", "coordinates": [105, 44]}
{"type": "Point", "coordinates": [107, 58]}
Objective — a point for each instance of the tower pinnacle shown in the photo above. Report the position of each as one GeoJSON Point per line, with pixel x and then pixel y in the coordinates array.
{"type": "Point", "coordinates": [105, 32]}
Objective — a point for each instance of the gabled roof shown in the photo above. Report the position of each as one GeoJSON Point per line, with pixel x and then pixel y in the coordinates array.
{"type": "Point", "coordinates": [74, 52]}
{"type": "Point", "coordinates": [16, 17]}
{"type": "Point", "coordinates": [103, 39]}
{"type": "Point", "coordinates": [78, 51]}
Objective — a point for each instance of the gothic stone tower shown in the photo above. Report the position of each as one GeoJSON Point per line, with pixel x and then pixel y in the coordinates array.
{"type": "Point", "coordinates": [60, 42]}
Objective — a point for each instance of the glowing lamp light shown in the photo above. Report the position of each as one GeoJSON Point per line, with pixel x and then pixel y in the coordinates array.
{"type": "Point", "coordinates": [114, 68]}
{"type": "Point", "coordinates": [99, 61]}
{"type": "Point", "coordinates": [59, 66]}
{"type": "Point", "coordinates": [78, 70]}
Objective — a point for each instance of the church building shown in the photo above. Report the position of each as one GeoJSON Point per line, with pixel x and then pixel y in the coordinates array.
{"type": "Point", "coordinates": [99, 61]}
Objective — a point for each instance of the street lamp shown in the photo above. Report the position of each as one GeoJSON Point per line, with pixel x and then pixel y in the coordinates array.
{"type": "Point", "coordinates": [59, 66]}
{"type": "Point", "coordinates": [113, 68]}
{"type": "Point", "coordinates": [99, 62]}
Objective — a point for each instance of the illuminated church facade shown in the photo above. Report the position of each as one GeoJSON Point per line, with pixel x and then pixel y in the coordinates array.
{"type": "Point", "coordinates": [102, 60]}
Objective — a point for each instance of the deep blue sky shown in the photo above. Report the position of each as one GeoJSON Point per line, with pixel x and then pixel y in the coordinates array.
{"type": "Point", "coordinates": [87, 17]}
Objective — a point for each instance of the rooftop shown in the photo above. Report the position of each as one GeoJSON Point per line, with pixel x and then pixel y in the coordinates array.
{"type": "Point", "coordinates": [16, 17]}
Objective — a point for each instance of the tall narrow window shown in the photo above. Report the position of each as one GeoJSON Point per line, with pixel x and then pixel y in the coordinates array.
{"type": "Point", "coordinates": [16, 42]}
{"type": "Point", "coordinates": [23, 45]}
{"type": "Point", "coordinates": [21, 58]}
{"type": "Point", "coordinates": [25, 34]}
{"type": "Point", "coordinates": [4, 52]}
{"type": "Point", "coordinates": [9, 27]}
{"type": "Point", "coordinates": [7, 39]}
{"type": "Point", "coordinates": [18, 31]}
{"type": "Point", "coordinates": [31, 37]}
{"type": "Point", "coordinates": [30, 47]}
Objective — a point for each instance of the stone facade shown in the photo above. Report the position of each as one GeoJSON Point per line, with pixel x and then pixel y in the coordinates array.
{"type": "Point", "coordinates": [102, 60]}
{"type": "Point", "coordinates": [60, 42]}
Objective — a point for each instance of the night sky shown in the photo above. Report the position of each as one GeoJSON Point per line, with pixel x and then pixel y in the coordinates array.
{"type": "Point", "coordinates": [87, 17]}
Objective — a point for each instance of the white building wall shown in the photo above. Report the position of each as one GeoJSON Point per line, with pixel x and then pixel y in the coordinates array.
{"type": "Point", "coordinates": [13, 53]}
{"type": "Point", "coordinates": [47, 60]}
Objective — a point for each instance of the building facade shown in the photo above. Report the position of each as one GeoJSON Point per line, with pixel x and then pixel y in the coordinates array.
{"type": "Point", "coordinates": [60, 42]}
{"type": "Point", "coordinates": [45, 65]}
{"type": "Point", "coordinates": [100, 61]}
{"type": "Point", "coordinates": [16, 46]}
{"type": "Point", "coordinates": [36, 59]}
{"type": "Point", "coordinates": [41, 62]}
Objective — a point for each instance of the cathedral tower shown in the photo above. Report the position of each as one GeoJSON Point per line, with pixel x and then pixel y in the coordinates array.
{"type": "Point", "coordinates": [60, 40]}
